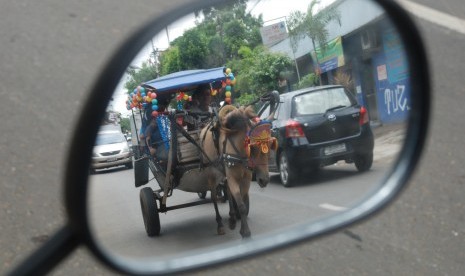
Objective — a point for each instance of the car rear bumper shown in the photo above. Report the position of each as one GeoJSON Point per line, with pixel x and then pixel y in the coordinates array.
{"type": "Point", "coordinates": [304, 155]}
{"type": "Point", "coordinates": [107, 162]}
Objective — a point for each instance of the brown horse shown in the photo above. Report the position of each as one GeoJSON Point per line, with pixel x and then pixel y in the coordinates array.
{"type": "Point", "coordinates": [238, 154]}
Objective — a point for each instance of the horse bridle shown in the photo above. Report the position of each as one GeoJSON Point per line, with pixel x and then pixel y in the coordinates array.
{"type": "Point", "coordinates": [231, 160]}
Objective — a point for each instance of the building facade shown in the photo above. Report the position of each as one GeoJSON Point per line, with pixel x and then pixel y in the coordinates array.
{"type": "Point", "coordinates": [365, 54]}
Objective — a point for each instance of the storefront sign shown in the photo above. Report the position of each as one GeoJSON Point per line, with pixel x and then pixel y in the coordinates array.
{"type": "Point", "coordinates": [382, 73]}
{"type": "Point", "coordinates": [274, 33]}
{"type": "Point", "coordinates": [331, 57]}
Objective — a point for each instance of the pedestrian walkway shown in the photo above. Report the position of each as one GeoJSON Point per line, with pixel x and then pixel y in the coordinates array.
{"type": "Point", "coordinates": [388, 141]}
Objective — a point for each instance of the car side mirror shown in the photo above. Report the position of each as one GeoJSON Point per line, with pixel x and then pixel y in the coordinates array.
{"type": "Point", "coordinates": [375, 51]}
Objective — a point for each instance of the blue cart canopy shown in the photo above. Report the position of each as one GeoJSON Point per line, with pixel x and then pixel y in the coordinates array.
{"type": "Point", "coordinates": [186, 80]}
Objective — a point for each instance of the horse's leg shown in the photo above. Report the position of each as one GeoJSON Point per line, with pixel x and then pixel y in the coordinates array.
{"type": "Point", "coordinates": [244, 206]}
{"type": "Point", "coordinates": [232, 208]}
{"type": "Point", "coordinates": [219, 220]}
{"type": "Point", "coordinates": [245, 187]}
{"type": "Point", "coordinates": [235, 189]}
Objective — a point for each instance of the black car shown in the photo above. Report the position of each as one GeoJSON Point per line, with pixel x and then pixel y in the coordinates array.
{"type": "Point", "coordinates": [316, 127]}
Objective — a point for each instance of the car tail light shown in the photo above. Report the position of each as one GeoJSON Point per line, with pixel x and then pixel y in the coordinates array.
{"type": "Point", "coordinates": [363, 116]}
{"type": "Point", "coordinates": [294, 129]}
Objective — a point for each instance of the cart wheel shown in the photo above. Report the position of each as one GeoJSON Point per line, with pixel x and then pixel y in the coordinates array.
{"type": "Point", "coordinates": [202, 195]}
{"type": "Point", "coordinates": [149, 208]}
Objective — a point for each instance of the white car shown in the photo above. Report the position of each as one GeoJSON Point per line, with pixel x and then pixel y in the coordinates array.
{"type": "Point", "coordinates": [111, 149]}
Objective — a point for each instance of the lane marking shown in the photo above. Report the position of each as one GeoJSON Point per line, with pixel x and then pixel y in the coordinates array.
{"type": "Point", "coordinates": [434, 16]}
{"type": "Point", "coordinates": [332, 207]}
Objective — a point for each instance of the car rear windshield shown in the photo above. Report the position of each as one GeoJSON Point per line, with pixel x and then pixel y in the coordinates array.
{"type": "Point", "coordinates": [109, 138]}
{"type": "Point", "coordinates": [319, 102]}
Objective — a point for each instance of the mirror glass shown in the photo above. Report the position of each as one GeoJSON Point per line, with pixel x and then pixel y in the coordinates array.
{"type": "Point", "coordinates": [336, 137]}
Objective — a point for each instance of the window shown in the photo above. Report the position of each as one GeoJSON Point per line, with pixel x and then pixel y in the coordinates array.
{"type": "Point", "coordinates": [318, 102]}
{"type": "Point", "coordinates": [109, 138]}
{"type": "Point", "coordinates": [265, 113]}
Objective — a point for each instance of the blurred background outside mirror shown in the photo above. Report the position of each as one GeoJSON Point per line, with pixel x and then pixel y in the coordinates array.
{"type": "Point", "coordinates": [268, 45]}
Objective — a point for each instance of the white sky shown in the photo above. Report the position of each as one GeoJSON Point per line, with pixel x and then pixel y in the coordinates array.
{"type": "Point", "coordinates": [272, 11]}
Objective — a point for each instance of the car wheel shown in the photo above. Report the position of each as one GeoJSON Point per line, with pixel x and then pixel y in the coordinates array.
{"type": "Point", "coordinates": [202, 195]}
{"type": "Point", "coordinates": [287, 175]}
{"type": "Point", "coordinates": [129, 165]}
{"type": "Point", "coordinates": [363, 162]}
{"type": "Point", "coordinates": [150, 214]}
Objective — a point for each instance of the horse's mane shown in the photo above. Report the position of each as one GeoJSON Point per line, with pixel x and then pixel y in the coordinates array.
{"type": "Point", "coordinates": [238, 119]}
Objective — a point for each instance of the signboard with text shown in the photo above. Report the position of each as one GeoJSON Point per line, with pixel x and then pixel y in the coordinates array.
{"type": "Point", "coordinates": [273, 34]}
{"type": "Point", "coordinates": [331, 57]}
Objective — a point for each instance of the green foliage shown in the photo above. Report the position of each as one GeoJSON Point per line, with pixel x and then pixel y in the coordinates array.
{"type": "Point", "coordinates": [311, 24]}
{"type": "Point", "coordinates": [214, 41]}
{"type": "Point", "coordinates": [307, 81]}
{"type": "Point", "coordinates": [170, 61]}
{"type": "Point", "coordinates": [229, 37]}
{"type": "Point", "coordinates": [192, 48]}
{"type": "Point", "coordinates": [245, 98]}
{"type": "Point", "coordinates": [258, 70]}
{"type": "Point", "coordinates": [125, 125]}
{"type": "Point", "coordinates": [138, 76]}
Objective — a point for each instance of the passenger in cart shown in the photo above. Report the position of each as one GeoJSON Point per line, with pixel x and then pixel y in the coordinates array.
{"type": "Point", "coordinates": [154, 139]}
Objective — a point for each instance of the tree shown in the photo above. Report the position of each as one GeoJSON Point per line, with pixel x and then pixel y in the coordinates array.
{"type": "Point", "coordinates": [258, 71]}
{"type": "Point", "coordinates": [345, 79]}
{"type": "Point", "coordinates": [192, 48]}
{"type": "Point", "coordinates": [312, 25]}
{"type": "Point", "coordinates": [125, 125]}
{"type": "Point", "coordinates": [139, 75]}
{"type": "Point", "coordinates": [221, 34]}
{"type": "Point", "coordinates": [228, 36]}
{"type": "Point", "coordinates": [170, 61]}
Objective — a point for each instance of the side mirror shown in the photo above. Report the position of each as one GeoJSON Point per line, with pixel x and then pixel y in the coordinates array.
{"type": "Point", "coordinates": [387, 54]}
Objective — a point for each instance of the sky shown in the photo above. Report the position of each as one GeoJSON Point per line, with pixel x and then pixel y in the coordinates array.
{"type": "Point", "coordinates": [272, 10]}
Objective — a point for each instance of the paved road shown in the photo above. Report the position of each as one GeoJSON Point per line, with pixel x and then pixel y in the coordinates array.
{"type": "Point", "coordinates": [117, 220]}
{"type": "Point", "coordinates": [50, 54]}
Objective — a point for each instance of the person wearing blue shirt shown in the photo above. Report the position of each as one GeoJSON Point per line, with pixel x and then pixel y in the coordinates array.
{"type": "Point", "coordinates": [154, 141]}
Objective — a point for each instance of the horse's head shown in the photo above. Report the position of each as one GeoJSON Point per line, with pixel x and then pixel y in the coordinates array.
{"type": "Point", "coordinates": [258, 145]}
{"type": "Point", "coordinates": [242, 124]}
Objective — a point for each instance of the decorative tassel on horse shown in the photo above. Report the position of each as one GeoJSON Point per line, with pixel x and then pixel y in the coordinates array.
{"type": "Point", "coordinates": [260, 136]}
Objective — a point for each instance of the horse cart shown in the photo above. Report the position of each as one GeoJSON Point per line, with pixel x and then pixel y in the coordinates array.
{"type": "Point", "coordinates": [204, 153]}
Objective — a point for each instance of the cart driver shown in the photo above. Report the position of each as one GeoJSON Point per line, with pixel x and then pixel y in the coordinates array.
{"type": "Point", "coordinates": [201, 99]}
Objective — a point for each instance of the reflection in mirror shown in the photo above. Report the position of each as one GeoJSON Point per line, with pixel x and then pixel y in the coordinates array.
{"type": "Point", "coordinates": [343, 82]}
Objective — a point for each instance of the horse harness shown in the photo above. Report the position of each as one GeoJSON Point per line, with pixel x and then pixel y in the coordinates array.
{"type": "Point", "coordinates": [224, 159]}
{"type": "Point", "coordinates": [231, 160]}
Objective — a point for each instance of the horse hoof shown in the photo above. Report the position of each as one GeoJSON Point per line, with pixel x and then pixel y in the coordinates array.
{"type": "Point", "coordinates": [245, 234]}
{"type": "Point", "coordinates": [221, 231]}
{"type": "Point", "coordinates": [232, 224]}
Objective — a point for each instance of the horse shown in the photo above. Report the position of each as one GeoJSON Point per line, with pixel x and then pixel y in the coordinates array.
{"type": "Point", "coordinates": [238, 154]}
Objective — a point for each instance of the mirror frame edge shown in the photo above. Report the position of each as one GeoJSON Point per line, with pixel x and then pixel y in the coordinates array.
{"type": "Point", "coordinates": [395, 181]}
